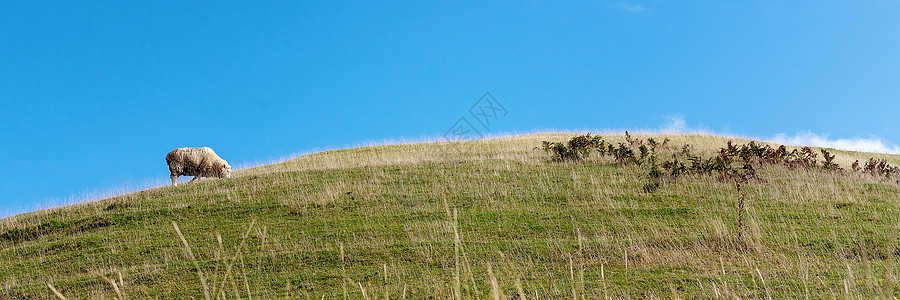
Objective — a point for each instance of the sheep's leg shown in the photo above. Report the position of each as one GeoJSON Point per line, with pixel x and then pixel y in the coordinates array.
{"type": "Point", "coordinates": [196, 178]}
{"type": "Point", "coordinates": [174, 180]}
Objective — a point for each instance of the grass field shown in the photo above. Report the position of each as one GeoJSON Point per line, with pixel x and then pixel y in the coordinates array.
{"type": "Point", "coordinates": [486, 219]}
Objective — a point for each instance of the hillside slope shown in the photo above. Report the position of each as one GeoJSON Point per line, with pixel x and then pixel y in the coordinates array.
{"type": "Point", "coordinates": [468, 220]}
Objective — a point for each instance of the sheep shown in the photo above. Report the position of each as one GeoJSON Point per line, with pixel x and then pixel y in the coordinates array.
{"type": "Point", "coordinates": [197, 162]}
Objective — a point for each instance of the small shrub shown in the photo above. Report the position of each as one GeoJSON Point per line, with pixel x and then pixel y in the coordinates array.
{"type": "Point", "coordinates": [576, 149]}
{"type": "Point", "coordinates": [658, 146]}
{"type": "Point", "coordinates": [633, 142]}
{"type": "Point", "coordinates": [829, 161]}
{"type": "Point", "coordinates": [655, 171]}
{"type": "Point", "coordinates": [645, 152]}
{"type": "Point", "coordinates": [880, 168]}
{"type": "Point", "coordinates": [623, 154]}
{"type": "Point", "coordinates": [674, 168]}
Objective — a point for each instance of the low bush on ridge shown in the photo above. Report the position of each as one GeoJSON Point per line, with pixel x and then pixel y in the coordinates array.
{"type": "Point", "coordinates": [730, 163]}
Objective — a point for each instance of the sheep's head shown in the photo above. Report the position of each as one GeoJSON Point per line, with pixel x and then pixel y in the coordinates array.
{"type": "Point", "coordinates": [225, 171]}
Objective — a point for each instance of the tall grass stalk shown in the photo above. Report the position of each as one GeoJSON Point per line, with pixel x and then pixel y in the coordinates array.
{"type": "Point", "coordinates": [190, 253]}
{"type": "Point", "coordinates": [56, 292]}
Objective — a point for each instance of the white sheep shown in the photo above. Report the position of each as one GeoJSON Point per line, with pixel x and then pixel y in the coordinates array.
{"type": "Point", "coordinates": [197, 162]}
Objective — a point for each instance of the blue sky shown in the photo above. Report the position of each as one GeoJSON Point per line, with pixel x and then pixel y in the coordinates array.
{"type": "Point", "coordinates": [93, 94]}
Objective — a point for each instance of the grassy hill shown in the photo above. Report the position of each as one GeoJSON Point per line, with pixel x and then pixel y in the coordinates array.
{"type": "Point", "coordinates": [468, 220]}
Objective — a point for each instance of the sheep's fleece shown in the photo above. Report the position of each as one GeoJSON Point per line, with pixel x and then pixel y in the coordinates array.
{"type": "Point", "coordinates": [197, 162]}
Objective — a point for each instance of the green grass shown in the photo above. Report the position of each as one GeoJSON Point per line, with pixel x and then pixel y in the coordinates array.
{"type": "Point", "coordinates": [383, 221]}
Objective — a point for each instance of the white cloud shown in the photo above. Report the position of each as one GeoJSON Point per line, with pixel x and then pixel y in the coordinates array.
{"type": "Point", "coordinates": [631, 7]}
{"type": "Point", "coordinates": [675, 124]}
{"type": "Point", "coordinates": [806, 138]}
{"type": "Point", "coordinates": [678, 124]}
